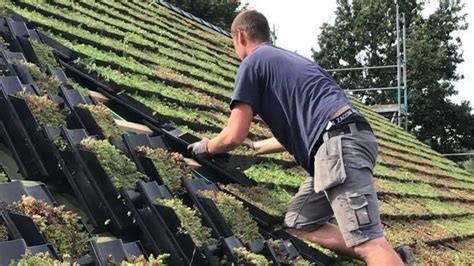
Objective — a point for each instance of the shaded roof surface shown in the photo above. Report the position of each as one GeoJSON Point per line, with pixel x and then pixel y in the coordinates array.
{"type": "Point", "coordinates": [185, 73]}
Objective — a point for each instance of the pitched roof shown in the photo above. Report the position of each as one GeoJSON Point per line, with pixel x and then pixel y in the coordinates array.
{"type": "Point", "coordinates": [185, 73]}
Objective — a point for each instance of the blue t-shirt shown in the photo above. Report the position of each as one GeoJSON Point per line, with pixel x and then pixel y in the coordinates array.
{"type": "Point", "coordinates": [294, 96]}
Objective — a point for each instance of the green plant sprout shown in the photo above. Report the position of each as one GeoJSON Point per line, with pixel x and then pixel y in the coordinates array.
{"type": "Point", "coordinates": [45, 111]}
{"type": "Point", "coordinates": [190, 222]}
{"type": "Point", "coordinates": [170, 166]}
{"type": "Point", "coordinates": [103, 117]}
{"type": "Point", "coordinates": [120, 169]}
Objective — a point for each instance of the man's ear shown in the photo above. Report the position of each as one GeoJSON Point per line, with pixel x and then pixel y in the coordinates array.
{"type": "Point", "coordinates": [243, 38]}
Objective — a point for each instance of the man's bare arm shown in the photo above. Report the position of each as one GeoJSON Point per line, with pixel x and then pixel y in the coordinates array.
{"type": "Point", "coordinates": [267, 146]}
{"type": "Point", "coordinates": [236, 130]}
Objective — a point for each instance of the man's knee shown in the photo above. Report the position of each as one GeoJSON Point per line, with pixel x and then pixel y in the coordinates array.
{"type": "Point", "coordinates": [371, 246]}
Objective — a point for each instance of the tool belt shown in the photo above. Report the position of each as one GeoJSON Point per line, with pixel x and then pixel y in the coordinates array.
{"type": "Point", "coordinates": [341, 124]}
{"type": "Point", "coordinates": [346, 129]}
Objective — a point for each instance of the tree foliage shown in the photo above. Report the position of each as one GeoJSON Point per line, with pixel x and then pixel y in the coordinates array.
{"type": "Point", "coordinates": [220, 13]}
{"type": "Point", "coordinates": [364, 34]}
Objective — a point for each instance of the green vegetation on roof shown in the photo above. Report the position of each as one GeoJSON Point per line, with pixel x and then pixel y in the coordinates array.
{"type": "Point", "coordinates": [185, 74]}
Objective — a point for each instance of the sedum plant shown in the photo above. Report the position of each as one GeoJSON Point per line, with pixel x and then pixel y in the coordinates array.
{"type": "Point", "coordinates": [44, 54]}
{"type": "Point", "coordinates": [61, 143]}
{"type": "Point", "coordinates": [83, 91]}
{"type": "Point", "coordinates": [235, 214]}
{"type": "Point", "coordinates": [61, 228]}
{"type": "Point", "coordinates": [274, 202]}
{"type": "Point", "coordinates": [245, 257]}
{"type": "Point", "coordinates": [3, 233]}
{"type": "Point", "coordinates": [170, 165]}
{"type": "Point", "coordinates": [40, 259]}
{"type": "Point", "coordinates": [3, 44]}
{"type": "Point", "coordinates": [3, 176]}
{"type": "Point", "coordinates": [46, 83]}
{"type": "Point", "coordinates": [103, 117]}
{"type": "Point", "coordinates": [139, 261]}
{"type": "Point", "coordinates": [190, 222]}
{"type": "Point", "coordinates": [44, 110]}
{"type": "Point", "coordinates": [120, 169]}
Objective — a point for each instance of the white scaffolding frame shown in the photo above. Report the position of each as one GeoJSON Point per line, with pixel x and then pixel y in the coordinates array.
{"type": "Point", "coordinates": [401, 66]}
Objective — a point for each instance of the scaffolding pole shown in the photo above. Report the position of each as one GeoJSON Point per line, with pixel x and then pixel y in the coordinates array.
{"type": "Point", "coordinates": [372, 89]}
{"type": "Point", "coordinates": [360, 68]}
{"type": "Point", "coordinates": [405, 65]}
{"type": "Point", "coordinates": [402, 65]}
{"type": "Point", "coordinates": [398, 66]}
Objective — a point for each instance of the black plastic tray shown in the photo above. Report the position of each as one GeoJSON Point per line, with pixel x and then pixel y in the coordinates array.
{"type": "Point", "coordinates": [40, 143]}
{"type": "Point", "coordinates": [118, 213]}
{"type": "Point", "coordinates": [14, 249]}
{"type": "Point", "coordinates": [262, 217]}
{"type": "Point", "coordinates": [16, 136]}
{"type": "Point", "coordinates": [210, 213]}
{"type": "Point", "coordinates": [159, 225]}
{"type": "Point", "coordinates": [13, 191]}
{"type": "Point", "coordinates": [100, 251]}
{"type": "Point", "coordinates": [218, 163]}
{"type": "Point", "coordinates": [144, 163]}
{"type": "Point", "coordinates": [23, 74]}
{"type": "Point", "coordinates": [22, 227]}
{"type": "Point", "coordinates": [306, 251]}
{"type": "Point", "coordinates": [109, 202]}
{"type": "Point", "coordinates": [74, 176]}
{"type": "Point", "coordinates": [12, 57]}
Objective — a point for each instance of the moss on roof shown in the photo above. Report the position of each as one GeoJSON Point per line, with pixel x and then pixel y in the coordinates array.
{"type": "Point", "coordinates": [189, 71]}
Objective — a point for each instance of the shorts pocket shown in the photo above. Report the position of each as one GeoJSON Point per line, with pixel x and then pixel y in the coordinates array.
{"type": "Point", "coordinates": [358, 211]}
{"type": "Point", "coordinates": [329, 169]}
{"type": "Point", "coordinates": [359, 150]}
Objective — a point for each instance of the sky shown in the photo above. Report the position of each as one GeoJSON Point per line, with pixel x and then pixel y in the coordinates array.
{"type": "Point", "coordinates": [298, 24]}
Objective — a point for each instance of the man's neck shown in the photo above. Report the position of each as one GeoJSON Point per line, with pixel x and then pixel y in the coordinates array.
{"type": "Point", "coordinates": [252, 46]}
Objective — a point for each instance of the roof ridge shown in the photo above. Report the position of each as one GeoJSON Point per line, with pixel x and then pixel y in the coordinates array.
{"type": "Point", "coordinates": [205, 24]}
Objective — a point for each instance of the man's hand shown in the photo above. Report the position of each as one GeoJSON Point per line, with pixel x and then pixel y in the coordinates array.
{"type": "Point", "coordinates": [200, 147]}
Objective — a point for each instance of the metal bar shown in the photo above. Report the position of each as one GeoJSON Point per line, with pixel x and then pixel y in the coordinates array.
{"type": "Point", "coordinates": [405, 65]}
{"type": "Point", "coordinates": [360, 68]}
{"type": "Point", "coordinates": [459, 154]}
{"type": "Point", "coordinates": [373, 89]}
{"type": "Point", "coordinates": [398, 65]}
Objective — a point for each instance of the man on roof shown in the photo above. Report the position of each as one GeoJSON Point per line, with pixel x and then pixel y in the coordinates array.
{"type": "Point", "coordinates": [311, 118]}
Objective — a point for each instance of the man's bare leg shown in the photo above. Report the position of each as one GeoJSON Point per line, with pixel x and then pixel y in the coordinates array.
{"type": "Point", "coordinates": [328, 236]}
{"type": "Point", "coordinates": [378, 252]}
{"type": "Point", "coordinates": [374, 252]}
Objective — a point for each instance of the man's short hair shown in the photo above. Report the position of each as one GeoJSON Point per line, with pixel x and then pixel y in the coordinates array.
{"type": "Point", "coordinates": [254, 24]}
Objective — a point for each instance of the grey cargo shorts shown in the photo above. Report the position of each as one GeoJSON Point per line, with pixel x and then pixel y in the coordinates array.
{"type": "Point", "coordinates": [342, 186]}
